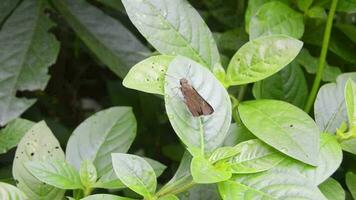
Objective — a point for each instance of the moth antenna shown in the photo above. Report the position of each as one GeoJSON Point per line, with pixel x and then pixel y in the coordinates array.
{"type": "Point", "coordinates": [172, 76]}
{"type": "Point", "coordinates": [188, 72]}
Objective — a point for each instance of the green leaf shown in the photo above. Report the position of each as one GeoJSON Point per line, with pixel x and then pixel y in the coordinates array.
{"type": "Point", "coordinates": [332, 189]}
{"type": "Point", "coordinates": [316, 12]}
{"type": "Point", "coordinates": [349, 145]}
{"type": "Point", "coordinates": [350, 100]}
{"type": "Point", "coordinates": [205, 133]}
{"type": "Point", "coordinates": [329, 107]}
{"type": "Point", "coordinates": [109, 181]}
{"type": "Point", "coordinates": [262, 57]}
{"type": "Point", "coordinates": [38, 144]}
{"type": "Point", "coordinates": [107, 38]}
{"type": "Point", "coordinates": [174, 28]}
{"type": "Point", "coordinates": [21, 67]}
{"type": "Point", "coordinates": [55, 172]}
{"type": "Point", "coordinates": [230, 41]}
{"type": "Point", "coordinates": [11, 135]}
{"type": "Point", "coordinates": [255, 156]}
{"type": "Point", "coordinates": [351, 183]}
{"type": "Point", "coordinates": [276, 18]}
{"type": "Point", "coordinates": [10, 192]}
{"type": "Point", "coordinates": [204, 172]}
{"type": "Point", "coordinates": [201, 192]}
{"type": "Point", "coordinates": [349, 30]}
{"type": "Point", "coordinates": [329, 159]}
{"type": "Point", "coordinates": [348, 6]}
{"type": "Point", "coordinates": [288, 85]}
{"type": "Point", "coordinates": [237, 133]}
{"type": "Point", "coordinates": [226, 12]}
{"type": "Point", "coordinates": [6, 7]}
{"type": "Point", "coordinates": [105, 197]}
{"type": "Point", "coordinates": [269, 186]}
{"type": "Point", "coordinates": [108, 131]}
{"type": "Point", "coordinates": [156, 166]}
{"type": "Point", "coordinates": [283, 126]}
{"type": "Point", "coordinates": [223, 153]}
{"type": "Point", "coordinates": [148, 75]}
{"type": "Point", "coordinates": [310, 64]}
{"type": "Point", "coordinates": [136, 173]}
{"type": "Point", "coordinates": [88, 174]}
{"type": "Point", "coordinates": [304, 5]}
{"type": "Point", "coordinates": [169, 197]}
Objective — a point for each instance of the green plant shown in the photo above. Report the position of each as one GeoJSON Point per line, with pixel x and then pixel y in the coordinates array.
{"type": "Point", "coordinates": [257, 144]}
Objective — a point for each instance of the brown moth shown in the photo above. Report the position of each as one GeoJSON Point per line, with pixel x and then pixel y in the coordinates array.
{"type": "Point", "coordinates": [195, 103]}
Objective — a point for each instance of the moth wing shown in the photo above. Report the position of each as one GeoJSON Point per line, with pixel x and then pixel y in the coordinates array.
{"type": "Point", "coordinates": [204, 107]}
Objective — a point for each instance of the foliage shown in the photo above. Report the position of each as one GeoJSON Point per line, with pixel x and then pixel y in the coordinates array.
{"type": "Point", "coordinates": [114, 83]}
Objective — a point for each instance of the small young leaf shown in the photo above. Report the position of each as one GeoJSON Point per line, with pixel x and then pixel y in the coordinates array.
{"type": "Point", "coordinates": [174, 27]}
{"type": "Point", "coordinates": [105, 197]}
{"type": "Point", "coordinates": [351, 183]}
{"type": "Point", "coordinates": [148, 75]}
{"type": "Point", "coordinates": [11, 135]}
{"type": "Point", "coordinates": [107, 131]}
{"type": "Point", "coordinates": [204, 172]}
{"type": "Point", "coordinates": [254, 156]}
{"type": "Point", "coordinates": [283, 126]}
{"type": "Point", "coordinates": [276, 18]}
{"type": "Point", "coordinates": [223, 153]}
{"type": "Point", "coordinates": [350, 100]}
{"type": "Point", "coordinates": [10, 192]}
{"type": "Point", "coordinates": [262, 57]}
{"type": "Point", "coordinates": [204, 133]}
{"type": "Point", "coordinates": [332, 190]}
{"type": "Point", "coordinates": [38, 144]}
{"type": "Point", "coordinates": [88, 174]}
{"type": "Point", "coordinates": [55, 172]}
{"type": "Point", "coordinates": [136, 173]}
{"type": "Point", "coordinates": [349, 145]}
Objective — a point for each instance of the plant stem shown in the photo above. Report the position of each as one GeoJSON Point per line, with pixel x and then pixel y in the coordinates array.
{"type": "Point", "coordinates": [323, 53]}
{"type": "Point", "coordinates": [177, 190]}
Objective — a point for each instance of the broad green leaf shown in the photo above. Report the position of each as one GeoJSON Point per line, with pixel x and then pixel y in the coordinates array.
{"type": "Point", "coordinates": [237, 133]}
{"type": "Point", "coordinates": [199, 134]}
{"type": "Point", "coordinates": [283, 126]}
{"type": "Point", "coordinates": [38, 144]}
{"type": "Point", "coordinates": [262, 57]}
{"type": "Point", "coordinates": [349, 30]}
{"type": "Point", "coordinates": [304, 5]}
{"type": "Point", "coordinates": [254, 156]}
{"type": "Point", "coordinates": [11, 135]}
{"type": "Point", "coordinates": [288, 85]}
{"type": "Point", "coordinates": [10, 192]}
{"type": "Point", "coordinates": [351, 183]}
{"type": "Point", "coordinates": [21, 67]}
{"type": "Point", "coordinates": [350, 100]}
{"type": "Point", "coordinates": [105, 197]}
{"type": "Point", "coordinates": [55, 172]}
{"type": "Point", "coordinates": [276, 18]}
{"type": "Point", "coordinates": [136, 173]}
{"type": "Point", "coordinates": [329, 107]}
{"type": "Point", "coordinates": [108, 131]}
{"type": "Point", "coordinates": [204, 172]}
{"type": "Point", "coordinates": [201, 192]}
{"type": "Point", "coordinates": [106, 37]}
{"type": "Point", "coordinates": [329, 160]}
{"type": "Point", "coordinates": [174, 27]}
{"type": "Point", "coordinates": [88, 174]}
{"type": "Point", "coordinates": [148, 75]}
{"type": "Point", "coordinates": [349, 145]}
{"type": "Point", "coordinates": [332, 190]}
{"type": "Point", "coordinates": [310, 64]}
{"type": "Point", "coordinates": [223, 153]}
{"type": "Point", "coordinates": [169, 197]}
{"type": "Point", "coordinates": [157, 167]}
{"type": "Point", "coordinates": [6, 7]}
{"type": "Point", "coordinates": [269, 186]}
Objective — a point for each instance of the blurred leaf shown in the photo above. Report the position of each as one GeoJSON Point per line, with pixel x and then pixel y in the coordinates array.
{"type": "Point", "coordinates": [136, 173]}
{"type": "Point", "coordinates": [6, 7]}
{"type": "Point", "coordinates": [316, 12]}
{"type": "Point", "coordinates": [225, 11]}
{"type": "Point", "coordinates": [332, 189]}
{"type": "Point", "coordinates": [276, 18]}
{"type": "Point", "coordinates": [350, 101]}
{"type": "Point", "coordinates": [108, 131]}
{"type": "Point", "coordinates": [107, 38]}
{"type": "Point", "coordinates": [304, 5]}
{"type": "Point", "coordinates": [11, 135]}
{"type": "Point", "coordinates": [349, 30]}
{"type": "Point", "coordinates": [169, 197]}
{"type": "Point", "coordinates": [148, 75]}
{"type": "Point", "coordinates": [231, 40]}
{"type": "Point", "coordinates": [283, 126]}
{"type": "Point", "coordinates": [55, 172]}
{"type": "Point", "coordinates": [105, 197]}
{"type": "Point", "coordinates": [10, 192]}
{"type": "Point", "coordinates": [351, 183]}
{"type": "Point", "coordinates": [288, 85]}
{"type": "Point", "coordinates": [174, 27]}
{"type": "Point", "coordinates": [26, 53]}
{"type": "Point", "coordinates": [201, 192]}
{"type": "Point", "coordinates": [329, 106]}
{"type": "Point", "coordinates": [38, 144]}
{"type": "Point", "coordinates": [310, 64]}
{"type": "Point", "coordinates": [261, 58]}
{"type": "Point", "coordinates": [114, 4]}
{"type": "Point", "coordinates": [204, 172]}
{"type": "Point", "coordinates": [205, 133]}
